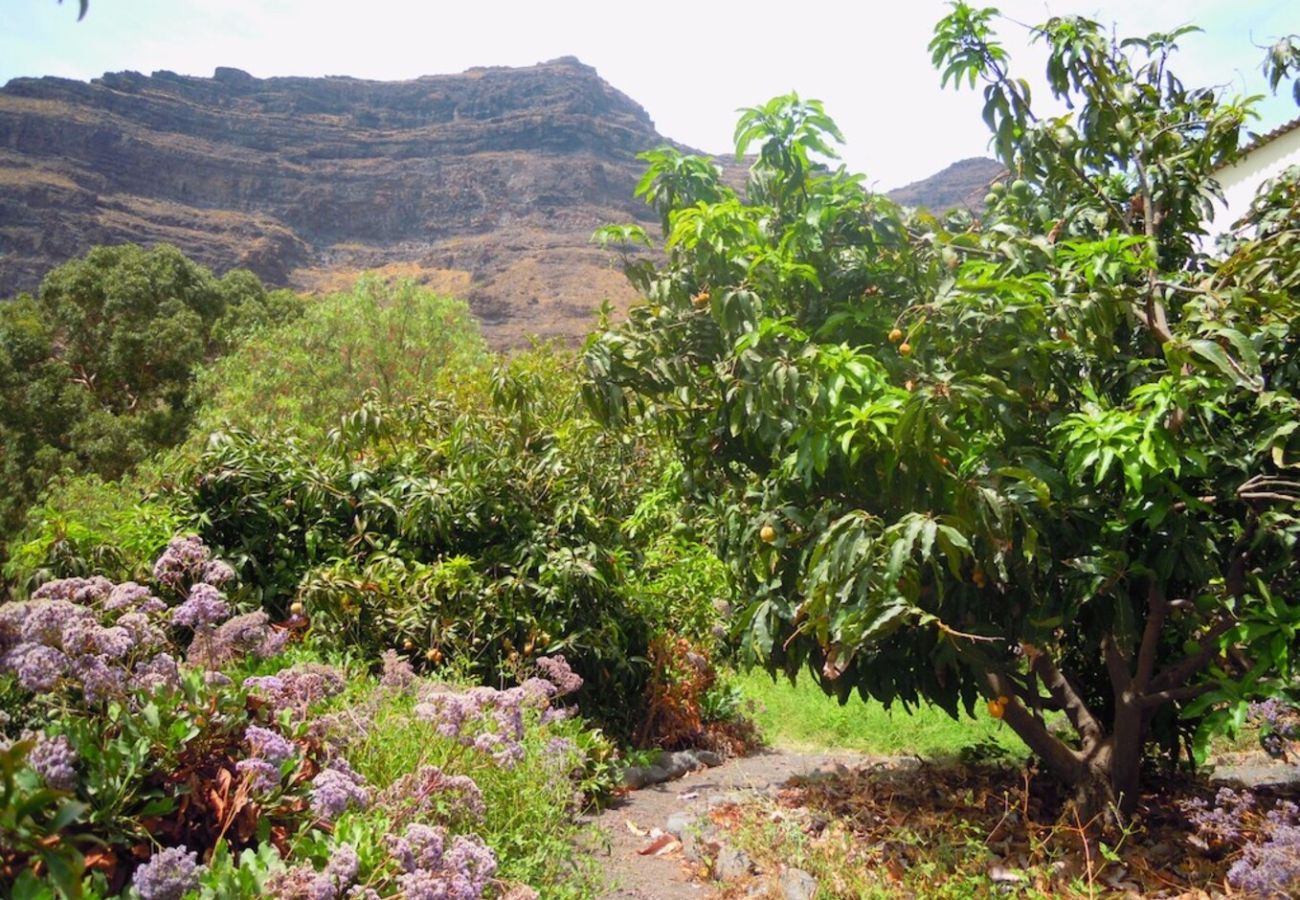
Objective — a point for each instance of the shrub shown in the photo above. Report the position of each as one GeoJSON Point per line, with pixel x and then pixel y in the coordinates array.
{"type": "Point", "coordinates": [397, 341]}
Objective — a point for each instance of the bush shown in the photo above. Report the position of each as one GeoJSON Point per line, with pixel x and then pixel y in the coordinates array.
{"type": "Point", "coordinates": [154, 742]}
{"type": "Point", "coordinates": [396, 341]}
{"type": "Point", "coordinates": [483, 527]}
{"type": "Point", "coordinates": [84, 524]}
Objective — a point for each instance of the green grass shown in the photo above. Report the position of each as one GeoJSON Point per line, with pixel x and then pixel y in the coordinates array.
{"type": "Point", "coordinates": [802, 717]}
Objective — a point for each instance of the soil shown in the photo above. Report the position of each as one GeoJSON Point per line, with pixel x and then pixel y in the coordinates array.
{"type": "Point", "coordinates": [631, 876]}
{"type": "Point", "coordinates": [627, 826]}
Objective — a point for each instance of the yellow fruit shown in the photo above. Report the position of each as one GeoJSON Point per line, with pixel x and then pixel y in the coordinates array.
{"type": "Point", "coordinates": [978, 578]}
{"type": "Point", "coordinates": [1004, 700]}
{"type": "Point", "coordinates": [997, 708]}
{"type": "Point", "coordinates": [767, 533]}
{"type": "Point", "coordinates": [434, 655]}
{"type": "Point", "coordinates": [296, 608]}
{"type": "Point", "coordinates": [408, 645]}
{"type": "Point", "coordinates": [905, 348]}
{"type": "Point", "coordinates": [895, 336]}
{"type": "Point", "coordinates": [700, 300]}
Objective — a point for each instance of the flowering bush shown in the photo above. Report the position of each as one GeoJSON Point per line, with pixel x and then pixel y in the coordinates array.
{"type": "Point", "coordinates": [165, 745]}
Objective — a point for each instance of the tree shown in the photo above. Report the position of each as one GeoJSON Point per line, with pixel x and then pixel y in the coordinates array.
{"type": "Point", "coordinates": [1043, 457]}
{"type": "Point", "coordinates": [96, 370]}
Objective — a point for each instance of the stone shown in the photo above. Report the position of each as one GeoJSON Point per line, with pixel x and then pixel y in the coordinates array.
{"type": "Point", "coordinates": [678, 823]}
{"type": "Point", "coordinates": [796, 884]}
{"type": "Point", "coordinates": [731, 863]}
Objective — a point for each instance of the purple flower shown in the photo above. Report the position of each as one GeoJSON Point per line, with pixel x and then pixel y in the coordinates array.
{"type": "Point", "coordinates": [99, 680]}
{"type": "Point", "coordinates": [131, 596]}
{"type": "Point", "coordinates": [432, 871]}
{"type": "Point", "coordinates": [160, 671]}
{"type": "Point", "coordinates": [340, 872]}
{"type": "Point", "coordinates": [204, 608]}
{"type": "Point", "coordinates": [38, 668]}
{"type": "Point", "coordinates": [82, 591]}
{"type": "Point", "coordinates": [555, 669]}
{"type": "Point", "coordinates": [46, 620]}
{"type": "Point", "coordinates": [168, 875]}
{"type": "Point", "coordinates": [296, 689]}
{"type": "Point", "coordinates": [397, 671]}
{"type": "Point", "coordinates": [244, 635]}
{"type": "Point", "coordinates": [55, 761]}
{"type": "Point", "coordinates": [146, 635]}
{"type": "Point", "coordinates": [428, 792]}
{"type": "Point", "coordinates": [182, 562]}
{"type": "Point", "coordinates": [262, 777]}
{"type": "Point", "coordinates": [335, 789]}
{"type": "Point", "coordinates": [539, 690]}
{"type": "Point", "coordinates": [1270, 869]}
{"type": "Point", "coordinates": [269, 745]}
{"type": "Point", "coordinates": [420, 848]}
{"type": "Point", "coordinates": [81, 637]}
{"type": "Point", "coordinates": [217, 573]}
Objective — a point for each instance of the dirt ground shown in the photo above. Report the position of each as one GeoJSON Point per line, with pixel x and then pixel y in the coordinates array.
{"type": "Point", "coordinates": [631, 876]}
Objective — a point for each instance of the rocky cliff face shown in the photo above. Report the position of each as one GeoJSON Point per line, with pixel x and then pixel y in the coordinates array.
{"type": "Point", "coordinates": [486, 184]}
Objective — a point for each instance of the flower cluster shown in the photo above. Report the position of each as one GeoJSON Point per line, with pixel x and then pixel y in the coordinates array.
{"type": "Point", "coordinates": [1224, 821]}
{"type": "Point", "coordinates": [555, 669]}
{"type": "Point", "coordinates": [397, 671]}
{"type": "Point", "coordinates": [492, 721]}
{"type": "Point", "coordinates": [168, 875]}
{"type": "Point", "coordinates": [433, 871]}
{"type": "Point", "coordinates": [336, 788]}
{"type": "Point", "coordinates": [55, 761]}
{"type": "Point", "coordinates": [1279, 726]}
{"type": "Point", "coordinates": [249, 634]}
{"type": "Point", "coordinates": [1271, 868]}
{"type": "Point", "coordinates": [106, 639]}
{"type": "Point", "coordinates": [184, 562]}
{"type": "Point", "coordinates": [204, 608]}
{"type": "Point", "coordinates": [428, 793]}
{"type": "Point", "coordinates": [296, 689]}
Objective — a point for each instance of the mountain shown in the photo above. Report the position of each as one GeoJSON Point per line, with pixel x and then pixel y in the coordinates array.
{"type": "Point", "coordinates": [487, 184]}
{"type": "Point", "coordinates": [961, 185]}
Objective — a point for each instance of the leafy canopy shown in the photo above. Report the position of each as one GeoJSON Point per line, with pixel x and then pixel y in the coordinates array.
{"type": "Point", "coordinates": [1043, 456]}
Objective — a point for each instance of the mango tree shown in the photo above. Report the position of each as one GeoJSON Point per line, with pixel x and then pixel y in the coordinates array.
{"type": "Point", "coordinates": [1044, 457]}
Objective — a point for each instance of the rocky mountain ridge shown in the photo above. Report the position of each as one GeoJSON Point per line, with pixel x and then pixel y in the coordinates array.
{"type": "Point", "coordinates": [485, 184]}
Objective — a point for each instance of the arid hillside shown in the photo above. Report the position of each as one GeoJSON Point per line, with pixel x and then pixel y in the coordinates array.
{"type": "Point", "coordinates": [486, 184]}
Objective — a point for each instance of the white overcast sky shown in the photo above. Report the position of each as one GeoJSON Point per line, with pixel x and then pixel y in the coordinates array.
{"type": "Point", "coordinates": [690, 64]}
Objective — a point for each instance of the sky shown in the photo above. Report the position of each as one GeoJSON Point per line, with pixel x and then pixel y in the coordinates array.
{"type": "Point", "coordinates": [691, 65]}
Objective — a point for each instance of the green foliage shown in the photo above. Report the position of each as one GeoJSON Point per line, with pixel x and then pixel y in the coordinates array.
{"type": "Point", "coordinates": [95, 371]}
{"type": "Point", "coordinates": [32, 819]}
{"type": "Point", "coordinates": [395, 341]}
{"type": "Point", "coordinates": [83, 525]}
{"type": "Point", "coordinates": [482, 527]}
{"type": "Point", "coordinates": [1044, 457]}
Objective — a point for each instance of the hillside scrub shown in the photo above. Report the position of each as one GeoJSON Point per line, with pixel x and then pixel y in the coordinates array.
{"type": "Point", "coordinates": [1040, 460]}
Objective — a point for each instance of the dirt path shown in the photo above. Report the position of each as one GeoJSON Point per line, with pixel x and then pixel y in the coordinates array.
{"type": "Point", "coordinates": [630, 876]}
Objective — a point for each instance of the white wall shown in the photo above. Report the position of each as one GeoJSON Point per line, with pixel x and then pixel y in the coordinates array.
{"type": "Point", "coordinates": [1241, 180]}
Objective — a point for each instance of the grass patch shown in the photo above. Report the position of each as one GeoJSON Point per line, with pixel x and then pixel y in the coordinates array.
{"type": "Point", "coordinates": [800, 716]}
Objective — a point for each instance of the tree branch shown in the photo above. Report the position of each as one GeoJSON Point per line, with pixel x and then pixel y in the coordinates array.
{"type": "Point", "coordinates": [1063, 692]}
{"type": "Point", "coordinates": [1157, 612]}
{"type": "Point", "coordinates": [1178, 673]}
{"type": "Point", "coordinates": [1187, 692]}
